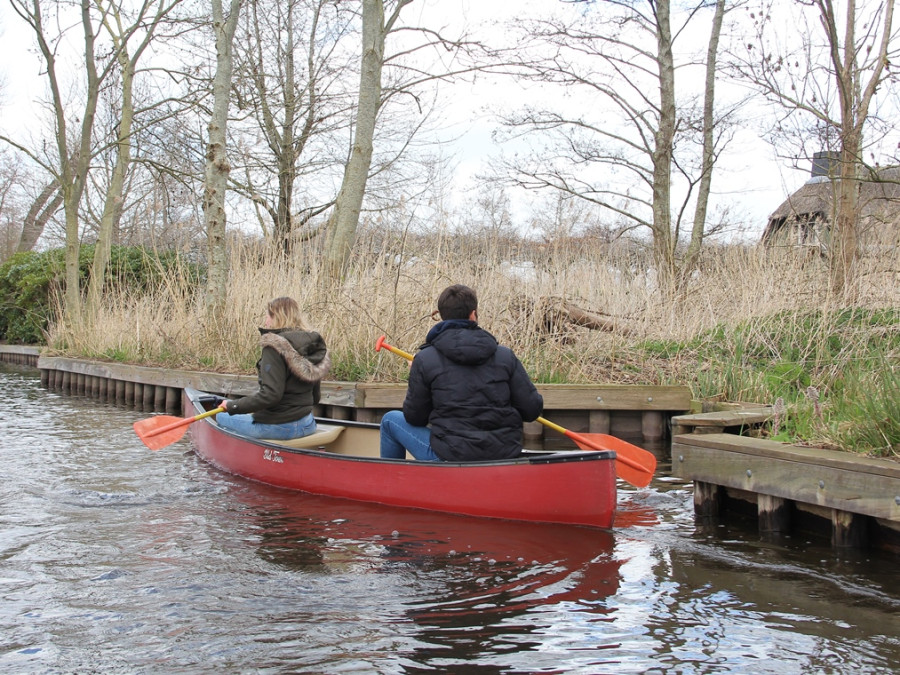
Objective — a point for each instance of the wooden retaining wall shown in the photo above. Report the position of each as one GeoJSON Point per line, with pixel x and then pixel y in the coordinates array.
{"type": "Point", "coordinates": [855, 500]}
{"type": "Point", "coordinates": [20, 354]}
{"type": "Point", "coordinates": [634, 412]}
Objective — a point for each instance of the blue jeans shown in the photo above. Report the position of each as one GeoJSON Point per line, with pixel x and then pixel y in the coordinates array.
{"type": "Point", "coordinates": [244, 425]}
{"type": "Point", "coordinates": [398, 436]}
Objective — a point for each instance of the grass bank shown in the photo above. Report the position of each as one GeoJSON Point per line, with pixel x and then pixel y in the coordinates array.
{"type": "Point", "coordinates": [754, 325]}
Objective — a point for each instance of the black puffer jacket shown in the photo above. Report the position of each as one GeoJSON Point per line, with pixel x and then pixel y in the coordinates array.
{"type": "Point", "coordinates": [473, 392]}
{"type": "Point", "coordinates": [291, 367]}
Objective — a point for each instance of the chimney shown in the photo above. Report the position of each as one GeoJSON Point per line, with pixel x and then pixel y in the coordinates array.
{"type": "Point", "coordinates": [825, 164]}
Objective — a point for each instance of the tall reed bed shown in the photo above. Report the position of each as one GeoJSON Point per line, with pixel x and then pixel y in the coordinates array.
{"type": "Point", "coordinates": [751, 325]}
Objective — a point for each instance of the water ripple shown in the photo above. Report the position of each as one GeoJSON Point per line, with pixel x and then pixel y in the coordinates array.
{"type": "Point", "coordinates": [117, 559]}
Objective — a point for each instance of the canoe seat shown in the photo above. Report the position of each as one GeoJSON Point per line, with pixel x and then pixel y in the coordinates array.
{"type": "Point", "coordinates": [325, 434]}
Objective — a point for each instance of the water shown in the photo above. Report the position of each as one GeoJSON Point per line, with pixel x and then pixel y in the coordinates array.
{"type": "Point", "coordinates": [116, 559]}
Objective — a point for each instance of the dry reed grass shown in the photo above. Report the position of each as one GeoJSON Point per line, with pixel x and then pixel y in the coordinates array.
{"type": "Point", "coordinates": [394, 282]}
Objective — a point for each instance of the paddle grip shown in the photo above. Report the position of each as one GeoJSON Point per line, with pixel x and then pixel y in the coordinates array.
{"type": "Point", "coordinates": [399, 352]}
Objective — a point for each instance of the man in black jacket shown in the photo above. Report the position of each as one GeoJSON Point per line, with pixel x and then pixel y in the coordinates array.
{"type": "Point", "coordinates": [467, 395]}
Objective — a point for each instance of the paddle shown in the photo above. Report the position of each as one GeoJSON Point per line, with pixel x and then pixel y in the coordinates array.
{"type": "Point", "coordinates": [633, 464]}
{"type": "Point", "coordinates": [381, 344]}
{"type": "Point", "coordinates": [162, 430]}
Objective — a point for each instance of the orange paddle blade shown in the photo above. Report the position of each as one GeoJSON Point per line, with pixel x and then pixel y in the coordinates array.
{"type": "Point", "coordinates": [633, 464]}
{"type": "Point", "coordinates": [161, 430]}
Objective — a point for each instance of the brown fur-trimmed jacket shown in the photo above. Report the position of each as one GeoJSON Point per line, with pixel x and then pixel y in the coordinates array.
{"type": "Point", "coordinates": [292, 365]}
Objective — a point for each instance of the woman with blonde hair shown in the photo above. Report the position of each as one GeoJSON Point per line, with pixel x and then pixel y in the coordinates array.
{"type": "Point", "coordinates": [293, 362]}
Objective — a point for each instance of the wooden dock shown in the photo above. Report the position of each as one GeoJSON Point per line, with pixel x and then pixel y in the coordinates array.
{"type": "Point", "coordinates": [854, 499]}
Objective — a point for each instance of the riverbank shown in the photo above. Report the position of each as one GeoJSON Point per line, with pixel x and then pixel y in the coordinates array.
{"type": "Point", "coordinates": [753, 325]}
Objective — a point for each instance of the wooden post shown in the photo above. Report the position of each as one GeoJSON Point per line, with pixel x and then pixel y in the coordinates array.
{"type": "Point", "coordinates": [173, 400]}
{"type": "Point", "coordinates": [149, 394]}
{"type": "Point", "coordinates": [120, 392]}
{"type": "Point", "coordinates": [707, 500]}
{"type": "Point", "coordinates": [653, 425]}
{"type": "Point", "coordinates": [598, 421]}
{"type": "Point", "coordinates": [533, 435]}
{"type": "Point", "coordinates": [774, 514]}
{"type": "Point", "coordinates": [338, 412]}
{"type": "Point", "coordinates": [366, 415]}
{"type": "Point", "coordinates": [159, 398]}
{"type": "Point", "coordinates": [849, 530]}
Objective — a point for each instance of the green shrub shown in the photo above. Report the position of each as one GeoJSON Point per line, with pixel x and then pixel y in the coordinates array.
{"type": "Point", "coordinates": [29, 280]}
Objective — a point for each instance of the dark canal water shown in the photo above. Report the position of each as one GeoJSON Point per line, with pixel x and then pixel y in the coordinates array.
{"type": "Point", "coordinates": [116, 559]}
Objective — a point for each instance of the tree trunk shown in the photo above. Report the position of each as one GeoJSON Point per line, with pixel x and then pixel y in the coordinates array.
{"type": "Point", "coordinates": [73, 173]}
{"type": "Point", "coordinates": [217, 166]}
{"type": "Point", "coordinates": [844, 238]}
{"type": "Point", "coordinates": [345, 217]}
{"type": "Point", "coordinates": [42, 209]}
{"type": "Point", "coordinates": [854, 101]}
{"type": "Point", "coordinates": [708, 159]}
{"type": "Point", "coordinates": [112, 207]}
{"type": "Point", "coordinates": [74, 154]}
{"type": "Point", "coordinates": [286, 154]}
{"type": "Point", "coordinates": [663, 237]}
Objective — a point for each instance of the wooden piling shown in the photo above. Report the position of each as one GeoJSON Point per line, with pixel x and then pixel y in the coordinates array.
{"type": "Point", "coordinates": [707, 500]}
{"type": "Point", "coordinates": [849, 530]}
{"type": "Point", "coordinates": [774, 514]}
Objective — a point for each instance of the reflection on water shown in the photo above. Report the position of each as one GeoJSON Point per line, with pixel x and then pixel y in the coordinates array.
{"type": "Point", "coordinates": [117, 559]}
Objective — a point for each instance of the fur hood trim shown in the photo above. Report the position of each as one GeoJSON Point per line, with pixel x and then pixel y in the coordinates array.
{"type": "Point", "coordinates": [301, 367]}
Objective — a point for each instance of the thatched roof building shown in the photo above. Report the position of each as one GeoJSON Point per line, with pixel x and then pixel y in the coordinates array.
{"type": "Point", "coordinates": [804, 219]}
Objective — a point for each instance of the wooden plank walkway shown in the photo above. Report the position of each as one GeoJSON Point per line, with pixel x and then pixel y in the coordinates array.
{"type": "Point", "coordinates": [717, 422]}
{"type": "Point", "coordinates": [840, 486]}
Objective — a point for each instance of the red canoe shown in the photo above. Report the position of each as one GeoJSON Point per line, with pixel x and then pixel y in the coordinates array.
{"type": "Point", "coordinates": [341, 460]}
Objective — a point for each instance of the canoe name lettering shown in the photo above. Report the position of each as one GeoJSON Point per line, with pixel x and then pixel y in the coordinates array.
{"type": "Point", "coordinates": [272, 456]}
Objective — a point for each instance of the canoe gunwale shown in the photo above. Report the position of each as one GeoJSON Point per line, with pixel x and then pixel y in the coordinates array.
{"type": "Point", "coordinates": [528, 456]}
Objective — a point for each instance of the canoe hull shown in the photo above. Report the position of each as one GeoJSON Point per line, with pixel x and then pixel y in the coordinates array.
{"type": "Point", "coordinates": [575, 488]}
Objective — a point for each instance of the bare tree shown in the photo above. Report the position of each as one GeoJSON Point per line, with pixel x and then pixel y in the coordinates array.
{"type": "Point", "coordinates": [108, 30]}
{"type": "Point", "coordinates": [708, 153]}
{"type": "Point", "coordinates": [423, 56]}
{"type": "Point", "coordinates": [345, 217]}
{"type": "Point", "coordinates": [290, 79]}
{"type": "Point", "coordinates": [73, 152]}
{"type": "Point", "coordinates": [623, 151]}
{"type": "Point", "coordinates": [826, 77]}
{"type": "Point", "coordinates": [10, 204]}
{"type": "Point", "coordinates": [217, 166]}
{"type": "Point", "coordinates": [120, 30]}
